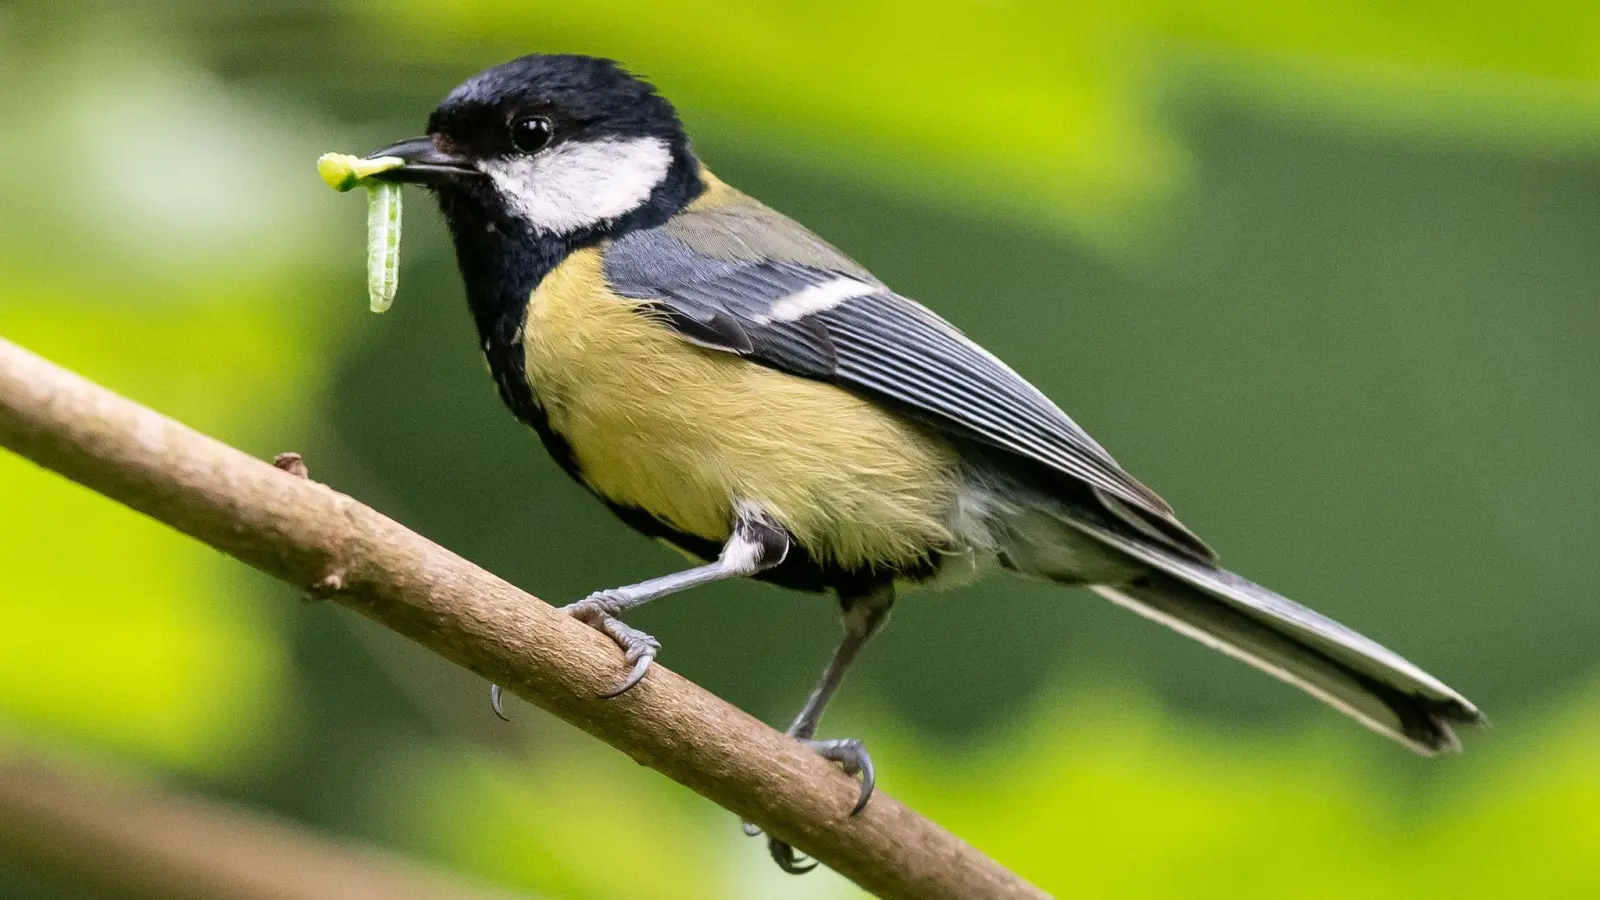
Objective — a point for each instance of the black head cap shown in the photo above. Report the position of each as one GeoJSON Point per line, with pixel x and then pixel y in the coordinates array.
{"type": "Point", "coordinates": [561, 146]}
{"type": "Point", "coordinates": [583, 97]}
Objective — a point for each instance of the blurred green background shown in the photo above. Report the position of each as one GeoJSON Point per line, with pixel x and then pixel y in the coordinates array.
{"type": "Point", "coordinates": [1324, 274]}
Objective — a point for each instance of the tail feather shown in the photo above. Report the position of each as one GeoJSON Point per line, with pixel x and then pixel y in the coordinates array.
{"type": "Point", "coordinates": [1419, 723]}
{"type": "Point", "coordinates": [1346, 670]}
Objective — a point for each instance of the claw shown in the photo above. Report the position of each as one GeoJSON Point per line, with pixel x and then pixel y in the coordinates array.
{"type": "Point", "coordinates": [494, 702]}
{"type": "Point", "coordinates": [782, 854]}
{"type": "Point", "coordinates": [866, 792]}
{"type": "Point", "coordinates": [852, 757]}
{"type": "Point", "coordinates": [639, 649]}
{"type": "Point", "coordinates": [785, 857]}
{"type": "Point", "coordinates": [634, 677]}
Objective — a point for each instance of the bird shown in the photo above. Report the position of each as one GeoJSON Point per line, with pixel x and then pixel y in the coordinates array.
{"type": "Point", "coordinates": [729, 383]}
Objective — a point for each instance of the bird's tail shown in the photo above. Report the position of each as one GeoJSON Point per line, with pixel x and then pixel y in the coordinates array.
{"type": "Point", "coordinates": [1348, 671]}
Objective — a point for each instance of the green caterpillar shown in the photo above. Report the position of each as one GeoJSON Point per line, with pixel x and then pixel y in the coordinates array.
{"type": "Point", "coordinates": [342, 172]}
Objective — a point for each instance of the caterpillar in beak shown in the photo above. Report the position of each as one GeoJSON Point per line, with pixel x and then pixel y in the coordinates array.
{"type": "Point", "coordinates": [343, 172]}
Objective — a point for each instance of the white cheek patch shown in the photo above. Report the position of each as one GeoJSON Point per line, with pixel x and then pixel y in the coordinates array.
{"type": "Point", "coordinates": [579, 185]}
{"type": "Point", "coordinates": [817, 298]}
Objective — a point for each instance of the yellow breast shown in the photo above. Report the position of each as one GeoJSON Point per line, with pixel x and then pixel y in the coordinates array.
{"type": "Point", "coordinates": [686, 433]}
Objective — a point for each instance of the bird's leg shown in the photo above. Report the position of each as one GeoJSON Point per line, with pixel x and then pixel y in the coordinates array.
{"type": "Point", "coordinates": [757, 544]}
{"type": "Point", "coordinates": [863, 616]}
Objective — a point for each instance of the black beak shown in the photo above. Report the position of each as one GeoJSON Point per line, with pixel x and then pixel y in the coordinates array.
{"type": "Point", "coordinates": [424, 164]}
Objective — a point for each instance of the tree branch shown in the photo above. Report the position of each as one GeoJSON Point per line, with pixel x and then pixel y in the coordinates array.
{"type": "Point", "coordinates": [329, 544]}
{"type": "Point", "coordinates": [137, 841]}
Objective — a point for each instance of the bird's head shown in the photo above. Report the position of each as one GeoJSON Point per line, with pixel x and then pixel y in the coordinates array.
{"type": "Point", "coordinates": [554, 147]}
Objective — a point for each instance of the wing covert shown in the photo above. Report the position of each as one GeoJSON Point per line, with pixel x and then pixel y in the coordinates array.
{"type": "Point", "coordinates": [826, 318]}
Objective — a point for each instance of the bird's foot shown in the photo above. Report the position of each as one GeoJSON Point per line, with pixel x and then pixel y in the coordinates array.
{"type": "Point", "coordinates": [852, 757]}
{"type": "Point", "coordinates": [638, 649]}
{"type": "Point", "coordinates": [787, 859]}
{"type": "Point", "coordinates": [599, 610]}
{"type": "Point", "coordinates": [782, 854]}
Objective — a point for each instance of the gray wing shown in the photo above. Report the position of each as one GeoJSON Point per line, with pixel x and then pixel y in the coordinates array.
{"type": "Point", "coordinates": [743, 279]}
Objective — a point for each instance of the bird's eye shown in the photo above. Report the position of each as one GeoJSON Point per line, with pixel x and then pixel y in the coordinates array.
{"type": "Point", "coordinates": [530, 134]}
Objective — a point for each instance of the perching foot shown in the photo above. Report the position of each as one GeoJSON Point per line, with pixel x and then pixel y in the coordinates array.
{"type": "Point", "coordinates": [852, 757]}
{"type": "Point", "coordinates": [638, 649]}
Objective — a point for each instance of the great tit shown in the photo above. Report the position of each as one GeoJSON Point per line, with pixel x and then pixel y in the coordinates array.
{"type": "Point", "coordinates": [726, 381]}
